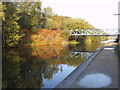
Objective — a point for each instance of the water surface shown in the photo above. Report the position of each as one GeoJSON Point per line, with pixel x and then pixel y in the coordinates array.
{"type": "Point", "coordinates": [43, 66]}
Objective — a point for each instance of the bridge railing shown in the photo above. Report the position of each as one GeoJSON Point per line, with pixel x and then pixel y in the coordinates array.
{"type": "Point", "coordinates": [91, 32]}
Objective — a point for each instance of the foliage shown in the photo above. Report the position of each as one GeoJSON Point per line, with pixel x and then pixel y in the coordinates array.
{"type": "Point", "coordinates": [30, 15]}
{"type": "Point", "coordinates": [1, 12]}
{"type": "Point", "coordinates": [22, 19]}
{"type": "Point", "coordinates": [52, 21]}
{"type": "Point", "coordinates": [73, 42]}
{"type": "Point", "coordinates": [11, 29]}
{"type": "Point", "coordinates": [63, 22]}
{"type": "Point", "coordinates": [75, 23]}
{"type": "Point", "coordinates": [45, 37]}
{"type": "Point", "coordinates": [117, 51]}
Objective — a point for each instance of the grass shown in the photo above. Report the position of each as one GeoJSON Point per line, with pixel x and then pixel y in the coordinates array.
{"type": "Point", "coordinates": [117, 51]}
{"type": "Point", "coordinates": [73, 42]}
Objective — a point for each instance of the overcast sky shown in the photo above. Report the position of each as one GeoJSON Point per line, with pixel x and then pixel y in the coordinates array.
{"type": "Point", "coordinates": [99, 13]}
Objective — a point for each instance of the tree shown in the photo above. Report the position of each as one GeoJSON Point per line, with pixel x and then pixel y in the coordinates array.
{"type": "Point", "coordinates": [31, 15]}
{"type": "Point", "coordinates": [51, 21]}
{"type": "Point", "coordinates": [11, 29]}
{"type": "Point", "coordinates": [48, 12]}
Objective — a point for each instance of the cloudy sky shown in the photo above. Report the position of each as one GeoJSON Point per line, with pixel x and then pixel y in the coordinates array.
{"type": "Point", "coordinates": [99, 13]}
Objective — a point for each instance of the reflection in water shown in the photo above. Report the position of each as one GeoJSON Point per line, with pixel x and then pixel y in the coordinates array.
{"type": "Point", "coordinates": [58, 77]}
{"type": "Point", "coordinates": [88, 47]}
{"type": "Point", "coordinates": [80, 54]}
{"type": "Point", "coordinates": [40, 67]}
{"type": "Point", "coordinates": [95, 81]}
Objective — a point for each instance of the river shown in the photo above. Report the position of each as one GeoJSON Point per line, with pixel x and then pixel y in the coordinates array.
{"type": "Point", "coordinates": [43, 66]}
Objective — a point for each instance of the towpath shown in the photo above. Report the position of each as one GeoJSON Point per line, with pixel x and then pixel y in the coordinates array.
{"type": "Point", "coordinates": [100, 72]}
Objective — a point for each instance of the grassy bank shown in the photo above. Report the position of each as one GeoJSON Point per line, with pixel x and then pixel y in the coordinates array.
{"type": "Point", "coordinates": [73, 42]}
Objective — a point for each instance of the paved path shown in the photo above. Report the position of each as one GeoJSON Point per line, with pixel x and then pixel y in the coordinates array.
{"type": "Point", "coordinates": [102, 72]}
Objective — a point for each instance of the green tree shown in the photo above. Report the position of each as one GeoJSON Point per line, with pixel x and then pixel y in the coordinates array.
{"type": "Point", "coordinates": [11, 29]}
{"type": "Point", "coordinates": [31, 15]}
{"type": "Point", "coordinates": [52, 21]}
{"type": "Point", "coordinates": [48, 12]}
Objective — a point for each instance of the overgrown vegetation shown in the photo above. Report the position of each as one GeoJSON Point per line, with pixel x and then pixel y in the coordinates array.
{"type": "Point", "coordinates": [27, 23]}
{"type": "Point", "coordinates": [117, 51]}
{"type": "Point", "coordinates": [73, 42]}
{"type": "Point", "coordinates": [45, 37]}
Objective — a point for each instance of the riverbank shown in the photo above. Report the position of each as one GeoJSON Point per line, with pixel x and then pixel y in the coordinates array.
{"type": "Point", "coordinates": [44, 37]}
{"type": "Point", "coordinates": [98, 73]}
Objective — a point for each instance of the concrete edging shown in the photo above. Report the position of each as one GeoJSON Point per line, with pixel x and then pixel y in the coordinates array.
{"type": "Point", "coordinates": [69, 80]}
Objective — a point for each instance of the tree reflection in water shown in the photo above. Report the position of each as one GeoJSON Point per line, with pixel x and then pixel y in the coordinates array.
{"type": "Point", "coordinates": [29, 67]}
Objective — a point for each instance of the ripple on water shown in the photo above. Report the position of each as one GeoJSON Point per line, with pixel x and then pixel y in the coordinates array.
{"type": "Point", "coordinates": [95, 81]}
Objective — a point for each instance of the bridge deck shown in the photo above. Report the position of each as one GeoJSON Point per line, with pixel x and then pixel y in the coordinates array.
{"type": "Point", "coordinates": [94, 35]}
{"type": "Point", "coordinates": [91, 32]}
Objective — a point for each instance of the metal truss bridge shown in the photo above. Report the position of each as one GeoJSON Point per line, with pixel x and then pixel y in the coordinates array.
{"type": "Point", "coordinates": [94, 32]}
